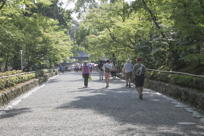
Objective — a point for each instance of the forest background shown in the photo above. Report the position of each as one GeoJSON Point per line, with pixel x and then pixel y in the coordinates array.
{"type": "Point", "coordinates": [167, 34]}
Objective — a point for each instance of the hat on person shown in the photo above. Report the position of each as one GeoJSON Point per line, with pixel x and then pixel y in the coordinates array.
{"type": "Point", "coordinates": [138, 59]}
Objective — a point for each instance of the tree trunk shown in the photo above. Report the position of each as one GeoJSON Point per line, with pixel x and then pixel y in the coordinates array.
{"type": "Point", "coordinates": [153, 17]}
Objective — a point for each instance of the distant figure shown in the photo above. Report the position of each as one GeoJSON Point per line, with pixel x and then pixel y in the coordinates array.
{"type": "Point", "coordinates": [127, 69]}
{"type": "Point", "coordinates": [107, 67]}
{"type": "Point", "coordinates": [100, 70]}
{"type": "Point", "coordinates": [61, 68]}
{"type": "Point", "coordinates": [90, 67]}
{"type": "Point", "coordinates": [139, 76]}
{"type": "Point", "coordinates": [113, 71]}
{"type": "Point", "coordinates": [85, 74]}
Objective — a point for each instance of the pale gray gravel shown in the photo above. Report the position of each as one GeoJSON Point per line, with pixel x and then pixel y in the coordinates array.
{"type": "Point", "coordinates": [63, 108]}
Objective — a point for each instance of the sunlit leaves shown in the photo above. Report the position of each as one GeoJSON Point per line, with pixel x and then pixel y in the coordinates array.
{"type": "Point", "coordinates": [43, 41]}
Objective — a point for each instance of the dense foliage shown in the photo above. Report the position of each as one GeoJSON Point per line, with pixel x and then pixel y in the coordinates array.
{"type": "Point", "coordinates": [168, 34]}
{"type": "Point", "coordinates": [38, 29]}
{"type": "Point", "coordinates": [178, 79]}
{"type": "Point", "coordinates": [12, 80]}
{"type": "Point", "coordinates": [7, 73]}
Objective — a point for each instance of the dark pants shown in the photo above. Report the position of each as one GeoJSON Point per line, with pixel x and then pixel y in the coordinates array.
{"type": "Point", "coordinates": [86, 79]}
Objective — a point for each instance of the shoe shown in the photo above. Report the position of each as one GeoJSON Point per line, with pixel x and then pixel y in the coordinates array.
{"type": "Point", "coordinates": [107, 86]}
{"type": "Point", "coordinates": [126, 85]}
{"type": "Point", "coordinates": [129, 86]}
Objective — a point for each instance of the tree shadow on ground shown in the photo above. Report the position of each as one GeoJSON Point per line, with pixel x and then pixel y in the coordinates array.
{"type": "Point", "coordinates": [13, 112]}
{"type": "Point", "coordinates": [124, 107]}
{"type": "Point", "coordinates": [53, 81]}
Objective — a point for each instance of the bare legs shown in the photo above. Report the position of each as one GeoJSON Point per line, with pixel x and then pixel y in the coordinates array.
{"type": "Point", "coordinates": [107, 76]}
{"type": "Point", "coordinates": [107, 82]}
{"type": "Point", "coordinates": [100, 75]}
{"type": "Point", "coordinates": [140, 92]}
{"type": "Point", "coordinates": [128, 77]}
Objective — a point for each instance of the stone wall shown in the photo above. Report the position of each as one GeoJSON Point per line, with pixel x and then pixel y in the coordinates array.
{"type": "Point", "coordinates": [11, 93]}
{"type": "Point", "coordinates": [190, 96]}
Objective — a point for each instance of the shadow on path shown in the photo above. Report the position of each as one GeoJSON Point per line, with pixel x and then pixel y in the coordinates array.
{"type": "Point", "coordinates": [13, 112]}
{"type": "Point", "coordinates": [124, 107]}
{"type": "Point", "coordinates": [154, 113]}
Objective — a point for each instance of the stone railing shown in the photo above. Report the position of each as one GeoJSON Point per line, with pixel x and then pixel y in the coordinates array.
{"type": "Point", "coordinates": [187, 94]}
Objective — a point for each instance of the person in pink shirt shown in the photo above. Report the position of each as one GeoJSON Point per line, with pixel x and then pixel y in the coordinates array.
{"type": "Point", "coordinates": [85, 74]}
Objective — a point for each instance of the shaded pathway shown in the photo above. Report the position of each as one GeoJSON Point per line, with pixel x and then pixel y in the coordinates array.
{"type": "Point", "coordinates": [64, 108]}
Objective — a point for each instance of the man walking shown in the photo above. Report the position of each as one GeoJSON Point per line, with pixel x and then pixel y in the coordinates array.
{"type": "Point", "coordinates": [128, 68]}
{"type": "Point", "coordinates": [107, 67]}
{"type": "Point", "coordinates": [139, 76]}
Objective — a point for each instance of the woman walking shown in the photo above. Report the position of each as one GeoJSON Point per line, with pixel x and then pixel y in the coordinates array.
{"type": "Point", "coordinates": [85, 74]}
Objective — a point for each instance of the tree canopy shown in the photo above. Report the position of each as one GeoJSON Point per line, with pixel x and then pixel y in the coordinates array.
{"type": "Point", "coordinates": [166, 33]}
{"type": "Point", "coordinates": [39, 29]}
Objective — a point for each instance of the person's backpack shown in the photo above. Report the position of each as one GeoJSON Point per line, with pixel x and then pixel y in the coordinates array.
{"type": "Point", "coordinates": [140, 70]}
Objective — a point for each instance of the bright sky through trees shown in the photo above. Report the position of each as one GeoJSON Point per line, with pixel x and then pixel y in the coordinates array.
{"type": "Point", "coordinates": [69, 4]}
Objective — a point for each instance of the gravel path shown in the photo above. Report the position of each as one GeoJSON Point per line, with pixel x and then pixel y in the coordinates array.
{"type": "Point", "coordinates": [63, 108]}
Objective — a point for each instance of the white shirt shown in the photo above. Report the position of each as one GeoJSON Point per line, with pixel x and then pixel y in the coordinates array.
{"type": "Point", "coordinates": [128, 67]}
{"type": "Point", "coordinates": [107, 65]}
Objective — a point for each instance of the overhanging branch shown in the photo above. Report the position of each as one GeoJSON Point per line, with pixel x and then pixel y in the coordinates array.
{"type": "Point", "coordinates": [3, 2]}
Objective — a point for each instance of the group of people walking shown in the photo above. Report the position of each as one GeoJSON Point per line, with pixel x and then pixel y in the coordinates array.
{"type": "Point", "coordinates": [133, 73]}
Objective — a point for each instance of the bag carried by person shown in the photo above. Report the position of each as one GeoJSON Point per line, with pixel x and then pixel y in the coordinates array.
{"type": "Point", "coordinates": [140, 70]}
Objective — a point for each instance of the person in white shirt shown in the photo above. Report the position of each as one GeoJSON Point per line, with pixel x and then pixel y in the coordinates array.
{"type": "Point", "coordinates": [128, 68]}
{"type": "Point", "coordinates": [107, 67]}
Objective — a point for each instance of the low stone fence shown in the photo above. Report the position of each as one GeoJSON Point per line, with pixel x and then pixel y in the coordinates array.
{"type": "Point", "coordinates": [190, 96]}
{"type": "Point", "coordinates": [10, 93]}
{"type": "Point", "coordinates": [187, 95]}
{"type": "Point", "coordinates": [13, 92]}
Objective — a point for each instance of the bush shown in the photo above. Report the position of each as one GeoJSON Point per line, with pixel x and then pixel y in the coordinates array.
{"type": "Point", "coordinates": [181, 80]}
{"type": "Point", "coordinates": [43, 72]}
{"type": "Point", "coordinates": [7, 73]}
{"type": "Point", "coordinates": [13, 80]}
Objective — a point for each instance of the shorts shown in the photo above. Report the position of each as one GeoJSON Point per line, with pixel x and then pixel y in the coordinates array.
{"type": "Point", "coordinates": [128, 75]}
{"type": "Point", "coordinates": [139, 81]}
{"type": "Point", "coordinates": [107, 75]}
